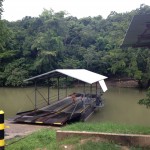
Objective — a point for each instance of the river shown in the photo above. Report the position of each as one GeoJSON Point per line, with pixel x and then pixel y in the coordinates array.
{"type": "Point", "coordinates": [120, 104]}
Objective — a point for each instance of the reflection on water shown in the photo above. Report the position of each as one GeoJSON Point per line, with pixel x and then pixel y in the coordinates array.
{"type": "Point", "coordinates": [121, 107]}
{"type": "Point", "coordinates": [120, 104]}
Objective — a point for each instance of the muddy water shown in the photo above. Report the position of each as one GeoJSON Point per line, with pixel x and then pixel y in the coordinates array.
{"type": "Point", "coordinates": [121, 107]}
{"type": "Point", "coordinates": [120, 104]}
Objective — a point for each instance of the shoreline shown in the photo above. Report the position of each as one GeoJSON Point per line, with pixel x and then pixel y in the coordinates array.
{"type": "Point", "coordinates": [124, 83]}
{"type": "Point", "coordinates": [118, 82]}
{"type": "Point", "coordinates": [20, 130]}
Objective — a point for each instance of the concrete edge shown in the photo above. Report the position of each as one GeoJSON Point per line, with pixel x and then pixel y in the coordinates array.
{"type": "Point", "coordinates": [123, 139]}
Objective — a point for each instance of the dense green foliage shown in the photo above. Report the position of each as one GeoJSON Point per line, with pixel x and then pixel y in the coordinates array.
{"type": "Point", "coordinates": [54, 40]}
{"type": "Point", "coordinates": [146, 101]}
{"type": "Point", "coordinates": [1, 9]}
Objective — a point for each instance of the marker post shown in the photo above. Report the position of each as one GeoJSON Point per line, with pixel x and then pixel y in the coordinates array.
{"type": "Point", "coordinates": [2, 142]}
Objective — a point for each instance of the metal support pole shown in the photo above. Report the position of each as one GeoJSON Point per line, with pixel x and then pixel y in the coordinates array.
{"type": "Point", "coordinates": [84, 87]}
{"type": "Point", "coordinates": [66, 86]}
{"type": "Point", "coordinates": [2, 142]}
{"type": "Point", "coordinates": [58, 87]}
{"type": "Point", "coordinates": [96, 88]}
{"type": "Point", "coordinates": [78, 90]}
{"type": "Point", "coordinates": [48, 93]}
{"type": "Point", "coordinates": [35, 105]}
{"type": "Point", "coordinates": [91, 90]}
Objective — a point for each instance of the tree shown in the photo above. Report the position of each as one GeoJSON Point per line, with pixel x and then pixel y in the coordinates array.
{"type": "Point", "coordinates": [146, 101]}
{"type": "Point", "coordinates": [53, 40]}
{"type": "Point", "coordinates": [5, 36]}
{"type": "Point", "coordinates": [48, 46]}
{"type": "Point", "coordinates": [1, 9]}
{"type": "Point", "coordinates": [16, 72]}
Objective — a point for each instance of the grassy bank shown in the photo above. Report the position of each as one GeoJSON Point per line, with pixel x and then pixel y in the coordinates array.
{"type": "Point", "coordinates": [46, 138]}
{"type": "Point", "coordinates": [108, 127]}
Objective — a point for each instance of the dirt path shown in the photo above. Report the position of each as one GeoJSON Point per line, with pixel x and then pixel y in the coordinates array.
{"type": "Point", "coordinates": [17, 130]}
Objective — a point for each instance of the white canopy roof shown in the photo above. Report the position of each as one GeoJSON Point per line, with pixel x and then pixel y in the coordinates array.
{"type": "Point", "coordinates": [80, 74]}
{"type": "Point", "coordinates": [83, 75]}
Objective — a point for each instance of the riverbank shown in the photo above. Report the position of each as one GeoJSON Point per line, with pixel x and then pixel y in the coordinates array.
{"type": "Point", "coordinates": [122, 82]}
{"type": "Point", "coordinates": [15, 130]}
{"type": "Point", "coordinates": [45, 139]}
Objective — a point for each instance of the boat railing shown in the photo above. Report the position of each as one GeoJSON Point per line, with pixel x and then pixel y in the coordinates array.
{"type": "Point", "coordinates": [52, 100]}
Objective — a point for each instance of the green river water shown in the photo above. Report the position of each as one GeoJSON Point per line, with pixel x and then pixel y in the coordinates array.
{"type": "Point", "coordinates": [120, 104]}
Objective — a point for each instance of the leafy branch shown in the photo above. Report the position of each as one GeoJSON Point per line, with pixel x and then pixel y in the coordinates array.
{"type": "Point", "coordinates": [146, 101]}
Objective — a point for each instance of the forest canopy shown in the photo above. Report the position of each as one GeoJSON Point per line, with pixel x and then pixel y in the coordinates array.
{"type": "Point", "coordinates": [53, 40]}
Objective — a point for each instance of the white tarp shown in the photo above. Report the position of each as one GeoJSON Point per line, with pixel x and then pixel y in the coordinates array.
{"type": "Point", "coordinates": [103, 85]}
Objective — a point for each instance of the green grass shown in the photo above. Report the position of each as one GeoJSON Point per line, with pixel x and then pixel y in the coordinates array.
{"type": "Point", "coordinates": [45, 139]}
{"type": "Point", "coordinates": [105, 146]}
{"type": "Point", "coordinates": [107, 127]}
{"type": "Point", "coordinates": [98, 146]}
{"type": "Point", "coordinates": [42, 139]}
